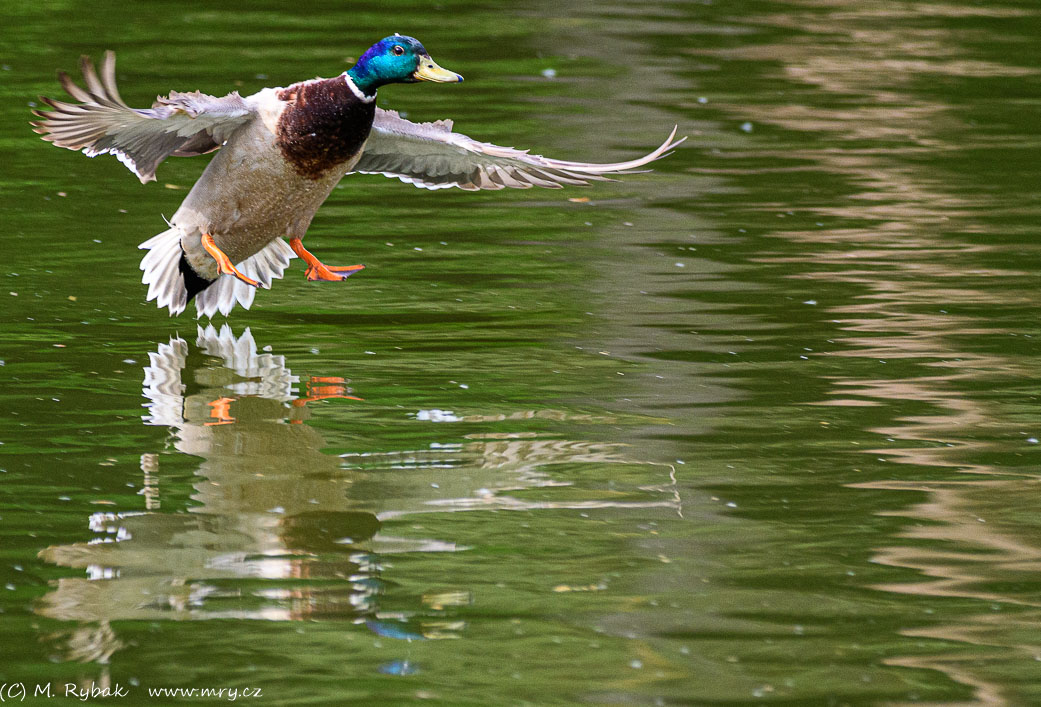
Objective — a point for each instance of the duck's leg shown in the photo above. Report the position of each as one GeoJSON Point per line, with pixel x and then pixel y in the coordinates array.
{"type": "Point", "coordinates": [223, 262]}
{"type": "Point", "coordinates": [316, 270]}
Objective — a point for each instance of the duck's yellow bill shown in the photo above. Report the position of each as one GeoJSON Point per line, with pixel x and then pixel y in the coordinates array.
{"type": "Point", "coordinates": [429, 71]}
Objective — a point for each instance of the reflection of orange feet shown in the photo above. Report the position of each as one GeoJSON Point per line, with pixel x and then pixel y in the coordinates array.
{"type": "Point", "coordinates": [221, 411]}
{"type": "Point", "coordinates": [223, 262]}
{"type": "Point", "coordinates": [337, 389]}
{"type": "Point", "coordinates": [316, 270]}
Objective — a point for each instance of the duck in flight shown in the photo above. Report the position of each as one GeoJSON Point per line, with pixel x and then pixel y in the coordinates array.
{"type": "Point", "coordinates": [281, 153]}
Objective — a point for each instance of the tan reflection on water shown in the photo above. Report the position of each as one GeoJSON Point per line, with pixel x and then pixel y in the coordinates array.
{"type": "Point", "coordinates": [977, 538]}
{"type": "Point", "coordinates": [268, 504]}
{"type": "Point", "coordinates": [964, 545]}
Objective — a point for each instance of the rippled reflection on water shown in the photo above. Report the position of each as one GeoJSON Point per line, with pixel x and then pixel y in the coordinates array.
{"type": "Point", "coordinates": [269, 505]}
{"type": "Point", "coordinates": [940, 293]}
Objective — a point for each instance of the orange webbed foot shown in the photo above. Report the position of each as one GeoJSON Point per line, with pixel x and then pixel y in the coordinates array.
{"type": "Point", "coordinates": [224, 264]}
{"type": "Point", "coordinates": [331, 273]}
{"type": "Point", "coordinates": [317, 270]}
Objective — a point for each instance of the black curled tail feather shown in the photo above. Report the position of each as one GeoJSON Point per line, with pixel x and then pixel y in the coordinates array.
{"type": "Point", "coordinates": [193, 282]}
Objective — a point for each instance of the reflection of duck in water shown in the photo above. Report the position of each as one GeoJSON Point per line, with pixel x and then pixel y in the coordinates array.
{"type": "Point", "coordinates": [234, 416]}
{"type": "Point", "coordinates": [267, 504]}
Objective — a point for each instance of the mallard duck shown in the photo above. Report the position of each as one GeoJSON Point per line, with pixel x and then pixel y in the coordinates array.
{"type": "Point", "coordinates": [282, 151]}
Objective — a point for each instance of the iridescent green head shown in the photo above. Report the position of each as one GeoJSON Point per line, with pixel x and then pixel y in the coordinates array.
{"type": "Point", "coordinates": [397, 59]}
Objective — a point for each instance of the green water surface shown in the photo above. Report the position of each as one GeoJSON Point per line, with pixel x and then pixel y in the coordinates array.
{"type": "Point", "coordinates": [759, 427]}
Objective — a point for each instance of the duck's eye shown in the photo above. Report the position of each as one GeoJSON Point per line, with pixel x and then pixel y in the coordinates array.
{"type": "Point", "coordinates": [398, 50]}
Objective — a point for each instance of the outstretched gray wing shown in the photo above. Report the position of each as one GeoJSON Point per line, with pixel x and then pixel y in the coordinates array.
{"type": "Point", "coordinates": [431, 156]}
{"type": "Point", "coordinates": [181, 124]}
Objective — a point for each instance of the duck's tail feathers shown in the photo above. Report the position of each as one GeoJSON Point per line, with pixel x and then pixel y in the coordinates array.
{"type": "Point", "coordinates": [162, 272]}
{"type": "Point", "coordinates": [264, 267]}
{"type": "Point", "coordinates": [172, 283]}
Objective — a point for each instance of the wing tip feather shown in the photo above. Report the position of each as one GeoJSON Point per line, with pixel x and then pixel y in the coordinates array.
{"type": "Point", "coordinates": [97, 121]}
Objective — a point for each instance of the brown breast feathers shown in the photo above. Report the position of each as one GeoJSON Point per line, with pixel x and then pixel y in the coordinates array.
{"type": "Point", "coordinates": [323, 126]}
